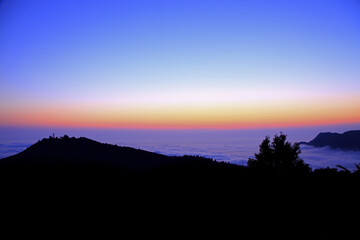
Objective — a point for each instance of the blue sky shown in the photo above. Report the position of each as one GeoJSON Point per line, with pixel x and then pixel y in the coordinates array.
{"type": "Point", "coordinates": [65, 53]}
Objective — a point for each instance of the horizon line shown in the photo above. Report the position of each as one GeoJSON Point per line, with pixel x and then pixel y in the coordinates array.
{"type": "Point", "coordinates": [169, 128]}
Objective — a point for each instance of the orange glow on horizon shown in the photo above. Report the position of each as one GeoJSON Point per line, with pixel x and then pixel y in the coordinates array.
{"type": "Point", "coordinates": [187, 115]}
{"type": "Point", "coordinates": [236, 123]}
{"type": "Point", "coordinates": [182, 127]}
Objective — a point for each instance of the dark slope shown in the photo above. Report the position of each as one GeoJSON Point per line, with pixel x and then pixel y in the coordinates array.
{"type": "Point", "coordinates": [349, 140]}
{"type": "Point", "coordinates": [181, 192]}
{"type": "Point", "coordinates": [84, 152]}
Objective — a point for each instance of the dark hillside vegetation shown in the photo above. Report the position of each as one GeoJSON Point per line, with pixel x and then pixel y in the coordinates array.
{"type": "Point", "coordinates": [276, 191]}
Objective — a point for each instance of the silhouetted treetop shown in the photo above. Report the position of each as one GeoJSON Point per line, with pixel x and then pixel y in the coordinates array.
{"type": "Point", "coordinates": [279, 156]}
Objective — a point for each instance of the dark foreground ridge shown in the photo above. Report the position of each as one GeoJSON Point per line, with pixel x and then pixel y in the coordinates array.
{"type": "Point", "coordinates": [83, 154]}
{"type": "Point", "coordinates": [277, 194]}
{"type": "Point", "coordinates": [349, 140]}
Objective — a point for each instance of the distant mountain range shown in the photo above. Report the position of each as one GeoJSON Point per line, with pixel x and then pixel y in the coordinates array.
{"type": "Point", "coordinates": [349, 140]}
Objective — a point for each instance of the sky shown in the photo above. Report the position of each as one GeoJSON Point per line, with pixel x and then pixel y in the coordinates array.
{"type": "Point", "coordinates": [179, 64]}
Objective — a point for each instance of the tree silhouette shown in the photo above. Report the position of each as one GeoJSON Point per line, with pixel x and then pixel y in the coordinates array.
{"type": "Point", "coordinates": [357, 171]}
{"type": "Point", "coordinates": [279, 156]}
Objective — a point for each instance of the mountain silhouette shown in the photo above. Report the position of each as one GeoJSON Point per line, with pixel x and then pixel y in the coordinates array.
{"type": "Point", "coordinates": [349, 140]}
{"type": "Point", "coordinates": [79, 172]}
{"type": "Point", "coordinates": [84, 152]}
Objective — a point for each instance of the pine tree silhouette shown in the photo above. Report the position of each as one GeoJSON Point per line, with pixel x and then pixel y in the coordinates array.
{"type": "Point", "coordinates": [279, 156]}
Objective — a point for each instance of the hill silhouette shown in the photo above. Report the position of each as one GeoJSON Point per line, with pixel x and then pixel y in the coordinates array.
{"type": "Point", "coordinates": [68, 154]}
{"type": "Point", "coordinates": [73, 173]}
{"type": "Point", "coordinates": [349, 140]}
{"type": "Point", "coordinates": [76, 152]}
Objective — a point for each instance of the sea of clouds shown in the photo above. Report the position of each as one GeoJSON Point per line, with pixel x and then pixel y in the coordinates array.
{"type": "Point", "coordinates": [235, 146]}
